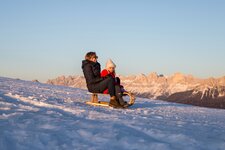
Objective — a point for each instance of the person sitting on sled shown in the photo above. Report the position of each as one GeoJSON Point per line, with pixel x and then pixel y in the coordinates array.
{"type": "Point", "coordinates": [97, 84]}
{"type": "Point", "coordinates": [110, 71]}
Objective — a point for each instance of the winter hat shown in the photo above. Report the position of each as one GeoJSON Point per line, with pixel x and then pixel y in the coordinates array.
{"type": "Point", "coordinates": [110, 64]}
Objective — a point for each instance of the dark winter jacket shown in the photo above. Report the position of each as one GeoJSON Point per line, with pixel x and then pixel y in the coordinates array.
{"type": "Point", "coordinates": [92, 73]}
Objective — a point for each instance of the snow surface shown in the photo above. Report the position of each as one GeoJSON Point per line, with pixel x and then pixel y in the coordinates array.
{"type": "Point", "coordinates": [40, 116]}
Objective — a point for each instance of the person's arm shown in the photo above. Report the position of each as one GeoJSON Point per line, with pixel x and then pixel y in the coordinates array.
{"type": "Point", "coordinates": [89, 75]}
{"type": "Point", "coordinates": [97, 79]}
{"type": "Point", "coordinates": [104, 73]}
{"type": "Point", "coordinates": [96, 68]}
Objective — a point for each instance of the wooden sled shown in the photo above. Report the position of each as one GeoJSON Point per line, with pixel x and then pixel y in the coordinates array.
{"type": "Point", "coordinates": [95, 102]}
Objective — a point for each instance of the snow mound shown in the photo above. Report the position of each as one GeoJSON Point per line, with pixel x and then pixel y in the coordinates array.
{"type": "Point", "coordinates": [41, 116]}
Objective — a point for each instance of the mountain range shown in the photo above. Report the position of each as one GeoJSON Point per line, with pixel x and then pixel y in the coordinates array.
{"type": "Point", "coordinates": [178, 87]}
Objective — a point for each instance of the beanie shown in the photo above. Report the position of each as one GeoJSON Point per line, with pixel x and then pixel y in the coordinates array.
{"type": "Point", "coordinates": [110, 64]}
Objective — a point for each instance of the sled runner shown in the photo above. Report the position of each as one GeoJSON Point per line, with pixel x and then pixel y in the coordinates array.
{"type": "Point", "coordinates": [95, 102]}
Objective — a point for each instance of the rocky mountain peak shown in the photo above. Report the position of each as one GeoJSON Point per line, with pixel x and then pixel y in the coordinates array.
{"type": "Point", "coordinates": [141, 78]}
{"type": "Point", "coordinates": [160, 87]}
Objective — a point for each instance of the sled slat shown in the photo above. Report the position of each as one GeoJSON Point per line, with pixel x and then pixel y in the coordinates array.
{"type": "Point", "coordinates": [100, 103]}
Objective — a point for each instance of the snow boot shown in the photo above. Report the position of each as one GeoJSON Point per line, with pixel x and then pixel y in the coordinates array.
{"type": "Point", "coordinates": [114, 103]}
{"type": "Point", "coordinates": [122, 101]}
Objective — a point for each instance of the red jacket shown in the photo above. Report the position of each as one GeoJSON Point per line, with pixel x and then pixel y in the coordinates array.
{"type": "Point", "coordinates": [105, 73]}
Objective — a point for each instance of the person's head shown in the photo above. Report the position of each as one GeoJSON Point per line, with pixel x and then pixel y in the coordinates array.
{"type": "Point", "coordinates": [91, 56]}
{"type": "Point", "coordinates": [110, 66]}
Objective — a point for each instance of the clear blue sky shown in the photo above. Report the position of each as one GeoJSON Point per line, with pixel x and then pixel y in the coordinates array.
{"type": "Point", "coordinates": [43, 39]}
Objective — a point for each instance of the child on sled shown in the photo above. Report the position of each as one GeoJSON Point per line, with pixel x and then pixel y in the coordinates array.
{"type": "Point", "coordinates": [110, 71]}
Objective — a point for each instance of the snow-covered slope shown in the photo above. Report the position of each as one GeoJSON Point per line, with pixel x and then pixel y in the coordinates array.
{"type": "Point", "coordinates": [41, 116]}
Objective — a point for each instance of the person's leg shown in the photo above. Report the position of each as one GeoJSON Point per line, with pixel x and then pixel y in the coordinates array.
{"type": "Point", "coordinates": [111, 87]}
{"type": "Point", "coordinates": [119, 95]}
{"type": "Point", "coordinates": [118, 80]}
{"type": "Point", "coordinates": [106, 84]}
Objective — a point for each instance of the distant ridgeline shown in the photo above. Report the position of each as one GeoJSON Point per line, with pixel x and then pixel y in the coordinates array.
{"type": "Point", "coordinates": [176, 88]}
